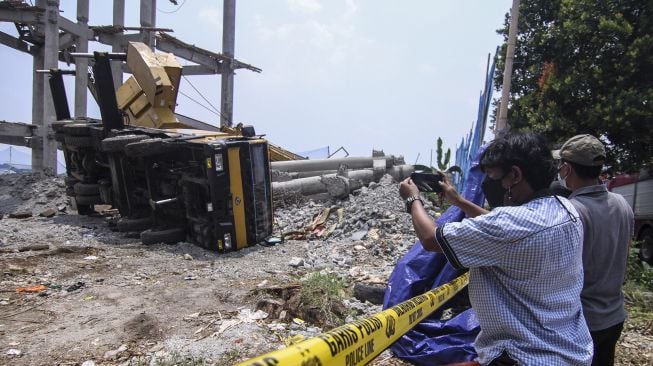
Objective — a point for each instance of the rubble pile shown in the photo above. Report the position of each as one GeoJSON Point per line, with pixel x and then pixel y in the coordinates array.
{"type": "Point", "coordinates": [377, 207]}
{"type": "Point", "coordinates": [29, 194]}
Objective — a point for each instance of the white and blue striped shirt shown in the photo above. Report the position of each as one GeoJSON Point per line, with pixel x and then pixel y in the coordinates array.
{"type": "Point", "coordinates": [526, 275]}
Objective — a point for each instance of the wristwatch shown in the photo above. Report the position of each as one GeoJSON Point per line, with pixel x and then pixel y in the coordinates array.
{"type": "Point", "coordinates": [410, 200]}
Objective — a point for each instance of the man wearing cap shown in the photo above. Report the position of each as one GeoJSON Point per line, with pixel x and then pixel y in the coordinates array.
{"type": "Point", "coordinates": [608, 227]}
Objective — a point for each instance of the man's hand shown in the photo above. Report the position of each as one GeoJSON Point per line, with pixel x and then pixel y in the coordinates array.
{"type": "Point", "coordinates": [449, 191]}
{"type": "Point", "coordinates": [407, 188]}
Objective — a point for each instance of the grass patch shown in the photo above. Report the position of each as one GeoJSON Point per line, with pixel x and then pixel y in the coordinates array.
{"type": "Point", "coordinates": [321, 295]}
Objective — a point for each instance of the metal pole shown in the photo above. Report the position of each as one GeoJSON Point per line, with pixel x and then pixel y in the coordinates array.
{"type": "Point", "coordinates": [44, 157]}
{"type": "Point", "coordinates": [228, 49]}
{"type": "Point", "coordinates": [502, 121]}
{"type": "Point", "coordinates": [118, 21]}
{"type": "Point", "coordinates": [81, 65]}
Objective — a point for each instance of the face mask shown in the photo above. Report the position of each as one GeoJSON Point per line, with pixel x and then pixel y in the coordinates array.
{"type": "Point", "coordinates": [494, 191]}
{"type": "Point", "coordinates": [561, 180]}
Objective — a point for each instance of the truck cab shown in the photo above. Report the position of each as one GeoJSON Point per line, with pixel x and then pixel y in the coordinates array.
{"type": "Point", "coordinates": [637, 189]}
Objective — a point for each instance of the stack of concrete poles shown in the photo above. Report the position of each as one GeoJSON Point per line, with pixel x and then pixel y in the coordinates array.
{"type": "Point", "coordinates": [334, 178]}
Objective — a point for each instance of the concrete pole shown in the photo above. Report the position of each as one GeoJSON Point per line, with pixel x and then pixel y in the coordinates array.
{"type": "Point", "coordinates": [148, 19]}
{"type": "Point", "coordinates": [228, 49]}
{"type": "Point", "coordinates": [45, 160]}
{"type": "Point", "coordinates": [38, 82]}
{"type": "Point", "coordinates": [502, 121]}
{"type": "Point", "coordinates": [81, 63]}
{"type": "Point", "coordinates": [118, 20]}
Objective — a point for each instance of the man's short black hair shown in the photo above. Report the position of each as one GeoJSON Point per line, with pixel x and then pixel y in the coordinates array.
{"type": "Point", "coordinates": [586, 172]}
{"type": "Point", "coordinates": [527, 150]}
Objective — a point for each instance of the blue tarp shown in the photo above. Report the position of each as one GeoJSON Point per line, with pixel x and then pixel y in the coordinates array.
{"type": "Point", "coordinates": [434, 341]}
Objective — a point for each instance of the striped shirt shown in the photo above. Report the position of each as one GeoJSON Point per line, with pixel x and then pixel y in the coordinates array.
{"type": "Point", "coordinates": [526, 275]}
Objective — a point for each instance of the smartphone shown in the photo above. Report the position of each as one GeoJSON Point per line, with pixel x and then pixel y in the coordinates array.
{"type": "Point", "coordinates": [427, 182]}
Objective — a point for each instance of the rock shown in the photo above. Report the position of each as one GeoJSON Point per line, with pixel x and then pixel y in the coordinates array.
{"type": "Point", "coordinates": [296, 262]}
{"type": "Point", "coordinates": [359, 235]}
{"type": "Point", "coordinates": [20, 215]}
{"type": "Point", "coordinates": [14, 352]}
{"type": "Point", "coordinates": [48, 212]}
{"type": "Point", "coordinates": [188, 257]}
{"type": "Point", "coordinates": [113, 354]}
{"type": "Point", "coordinates": [88, 363]}
{"type": "Point", "coordinates": [371, 293]}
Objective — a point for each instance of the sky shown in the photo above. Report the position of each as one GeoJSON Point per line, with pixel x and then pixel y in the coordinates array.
{"type": "Point", "coordinates": [358, 74]}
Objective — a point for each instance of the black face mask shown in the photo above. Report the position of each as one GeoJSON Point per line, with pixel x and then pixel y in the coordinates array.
{"type": "Point", "coordinates": [494, 191]}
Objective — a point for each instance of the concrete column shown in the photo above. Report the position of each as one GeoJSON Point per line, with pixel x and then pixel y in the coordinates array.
{"type": "Point", "coordinates": [38, 82]}
{"type": "Point", "coordinates": [45, 161]}
{"type": "Point", "coordinates": [228, 49]}
{"type": "Point", "coordinates": [118, 20]}
{"type": "Point", "coordinates": [81, 63]}
{"type": "Point", "coordinates": [148, 19]}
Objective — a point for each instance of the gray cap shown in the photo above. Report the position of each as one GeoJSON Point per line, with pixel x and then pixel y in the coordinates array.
{"type": "Point", "coordinates": [584, 150]}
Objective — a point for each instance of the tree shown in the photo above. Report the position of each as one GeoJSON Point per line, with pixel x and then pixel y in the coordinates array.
{"type": "Point", "coordinates": [586, 66]}
{"type": "Point", "coordinates": [442, 164]}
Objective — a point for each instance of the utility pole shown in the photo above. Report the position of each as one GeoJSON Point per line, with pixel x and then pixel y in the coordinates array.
{"type": "Point", "coordinates": [228, 47]}
{"type": "Point", "coordinates": [502, 121]}
{"type": "Point", "coordinates": [81, 64]}
{"type": "Point", "coordinates": [44, 148]}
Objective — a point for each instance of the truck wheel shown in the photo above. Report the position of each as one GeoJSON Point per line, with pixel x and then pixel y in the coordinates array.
{"type": "Point", "coordinates": [646, 246]}
{"type": "Point", "coordinates": [86, 189]}
{"type": "Point", "coordinates": [128, 225]}
{"type": "Point", "coordinates": [70, 181]}
{"type": "Point", "coordinates": [168, 236]}
{"type": "Point", "coordinates": [78, 141]}
{"type": "Point", "coordinates": [118, 143]}
{"type": "Point", "coordinates": [88, 200]}
{"type": "Point", "coordinates": [146, 148]}
{"type": "Point", "coordinates": [76, 129]}
{"type": "Point", "coordinates": [57, 126]}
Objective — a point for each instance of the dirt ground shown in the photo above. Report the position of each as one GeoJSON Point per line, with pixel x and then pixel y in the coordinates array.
{"type": "Point", "coordinates": [109, 300]}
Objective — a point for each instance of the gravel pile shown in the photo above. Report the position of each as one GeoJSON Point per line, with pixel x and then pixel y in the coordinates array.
{"type": "Point", "coordinates": [30, 193]}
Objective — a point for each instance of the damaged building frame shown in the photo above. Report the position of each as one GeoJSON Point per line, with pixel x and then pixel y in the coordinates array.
{"type": "Point", "coordinates": [51, 38]}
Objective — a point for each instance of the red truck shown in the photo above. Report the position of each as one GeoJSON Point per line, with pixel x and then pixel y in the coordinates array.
{"type": "Point", "coordinates": [637, 189]}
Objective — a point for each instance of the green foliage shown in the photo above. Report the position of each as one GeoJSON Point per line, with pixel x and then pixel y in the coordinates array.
{"type": "Point", "coordinates": [321, 291]}
{"type": "Point", "coordinates": [639, 273]}
{"type": "Point", "coordinates": [586, 66]}
{"type": "Point", "coordinates": [442, 164]}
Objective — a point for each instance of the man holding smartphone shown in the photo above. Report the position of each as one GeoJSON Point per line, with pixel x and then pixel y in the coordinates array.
{"type": "Point", "coordinates": [524, 259]}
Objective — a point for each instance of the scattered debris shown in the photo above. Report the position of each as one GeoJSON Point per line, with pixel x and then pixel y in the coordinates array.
{"type": "Point", "coordinates": [75, 287]}
{"type": "Point", "coordinates": [49, 212]}
{"type": "Point", "coordinates": [32, 289]}
{"type": "Point", "coordinates": [20, 215]}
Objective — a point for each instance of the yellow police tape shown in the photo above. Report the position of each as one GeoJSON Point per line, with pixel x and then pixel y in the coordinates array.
{"type": "Point", "coordinates": [360, 342]}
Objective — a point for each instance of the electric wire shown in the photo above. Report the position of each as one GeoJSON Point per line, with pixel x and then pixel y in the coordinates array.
{"type": "Point", "coordinates": [200, 104]}
{"type": "Point", "coordinates": [172, 11]}
{"type": "Point", "coordinates": [201, 95]}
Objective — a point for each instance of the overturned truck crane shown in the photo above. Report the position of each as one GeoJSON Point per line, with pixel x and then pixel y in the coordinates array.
{"type": "Point", "coordinates": [168, 181]}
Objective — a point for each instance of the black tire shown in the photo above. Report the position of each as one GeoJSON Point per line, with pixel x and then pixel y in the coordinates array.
{"type": "Point", "coordinates": [128, 225]}
{"type": "Point", "coordinates": [146, 147]}
{"type": "Point", "coordinates": [646, 246]}
{"type": "Point", "coordinates": [57, 126]}
{"type": "Point", "coordinates": [70, 181]}
{"type": "Point", "coordinates": [85, 209]}
{"type": "Point", "coordinates": [78, 141]}
{"type": "Point", "coordinates": [86, 189]}
{"type": "Point", "coordinates": [60, 137]}
{"type": "Point", "coordinates": [168, 236]}
{"type": "Point", "coordinates": [76, 129]}
{"type": "Point", "coordinates": [118, 143]}
{"type": "Point", "coordinates": [88, 200]}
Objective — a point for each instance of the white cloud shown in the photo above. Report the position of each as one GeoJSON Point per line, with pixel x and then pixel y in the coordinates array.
{"type": "Point", "coordinates": [305, 6]}
{"type": "Point", "coordinates": [211, 16]}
